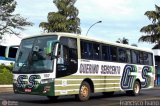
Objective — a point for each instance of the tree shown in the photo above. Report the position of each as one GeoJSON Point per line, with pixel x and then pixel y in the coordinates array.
{"type": "Point", "coordinates": [10, 23]}
{"type": "Point", "coordinates": [64, 20]}
{"type": "Point", "coordinates": [152, 30]}
{"type": "Point", "coordinates": [123, 40]}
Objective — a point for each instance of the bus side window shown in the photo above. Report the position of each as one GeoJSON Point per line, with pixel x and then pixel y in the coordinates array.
{"type": "Point", "coordinates": [141, 58]}
{"type": "Point", "coordinates": [12, 52]}
{"type": "Point", "coordinates": [96, 51]}
{"type": "Point", "coordinates": [135, 57]}
{"type": "Point", "coordinates": [105, 53]}
{"type": "Point", "coordinates": [113, 53]}
{"type": "Point", "coordinates": [86, 50]}
{"type": "Point", "coordinates": [150, 59]}
{"type": "Point", "coordinates": [2, 51]}
{"type": "Point", "coordinates": [122, 55]}
{"type": "Point", "coordinates": [128, 51]}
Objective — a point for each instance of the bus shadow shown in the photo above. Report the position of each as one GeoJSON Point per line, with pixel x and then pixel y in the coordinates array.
{"type": "Point", "coordinates": [67, 99]}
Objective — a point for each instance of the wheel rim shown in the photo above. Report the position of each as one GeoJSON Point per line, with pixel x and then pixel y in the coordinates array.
{"type": "Point", "coordinates": [84, 91]}
{"type": "Point", "coordinates": [136, 88]}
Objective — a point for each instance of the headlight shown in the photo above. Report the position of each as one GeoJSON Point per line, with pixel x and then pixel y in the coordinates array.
{"type": "Point", "coordinates": [44, 81]}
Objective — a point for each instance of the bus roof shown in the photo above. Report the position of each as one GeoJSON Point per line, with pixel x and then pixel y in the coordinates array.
{"type": "Point", "coordinates": [92, 39]}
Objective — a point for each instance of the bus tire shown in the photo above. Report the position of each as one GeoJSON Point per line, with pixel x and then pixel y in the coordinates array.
{"type": "Point", "coordinates": [108, 94]}
{"type": "Point", "coordinates": [84, 92]}
{"type": "Point", "coordinates": [52, 98]}
{"type": "Point", "coordinates": [136, 89]}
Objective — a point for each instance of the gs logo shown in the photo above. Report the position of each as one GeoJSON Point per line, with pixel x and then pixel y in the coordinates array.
{"type": "Point", "coordinates": [22, 81]}
{"type": "Point", "coordinates": [146, 77]}
{"type": "Point", "coordinates": [33, 83]}
{"type": "Point", "coordinates": [128, 79]}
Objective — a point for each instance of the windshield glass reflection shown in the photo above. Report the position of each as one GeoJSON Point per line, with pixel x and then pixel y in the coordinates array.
{"type": "Point", "coordinates": [35, 55]}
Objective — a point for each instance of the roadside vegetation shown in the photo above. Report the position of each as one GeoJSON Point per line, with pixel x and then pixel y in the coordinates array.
{"type": "Point", "coordinates": [6, 76]}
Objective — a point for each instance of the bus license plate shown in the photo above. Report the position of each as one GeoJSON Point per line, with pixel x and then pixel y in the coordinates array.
{"type": "Point", "coordinates": [28, 90]}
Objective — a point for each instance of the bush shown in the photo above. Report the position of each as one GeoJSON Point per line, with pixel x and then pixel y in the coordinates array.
{"type": "Point", "coordinates": [6, 76]}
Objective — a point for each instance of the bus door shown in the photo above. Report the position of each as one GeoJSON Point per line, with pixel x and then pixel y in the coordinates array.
{"type": "Point", "coordinates": [67, 60]}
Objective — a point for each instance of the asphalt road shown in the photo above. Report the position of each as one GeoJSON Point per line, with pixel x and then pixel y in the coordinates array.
{"type": "Point", "coordinates": [146, 98]}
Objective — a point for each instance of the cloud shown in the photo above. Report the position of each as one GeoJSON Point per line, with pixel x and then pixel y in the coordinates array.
{"type": "Point", "coordinates": [120, 18]}
{"type": "Point", "coordinates": [10, 40]}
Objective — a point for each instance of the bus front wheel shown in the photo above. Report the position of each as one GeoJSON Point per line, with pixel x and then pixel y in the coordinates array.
{"type": "Point", "coordinates": [136, 89]}
{"type": "Point", "coordinates": [84, 92]}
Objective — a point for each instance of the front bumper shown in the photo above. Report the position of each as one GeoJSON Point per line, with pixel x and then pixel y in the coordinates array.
{"type": "Point", "coordinates": [41, 89]}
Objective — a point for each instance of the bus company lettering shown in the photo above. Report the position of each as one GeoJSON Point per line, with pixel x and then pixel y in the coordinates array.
{"type": "Point", "coordinates": [89, 68]}
{"type": "Point", "coordinates": [94, 68]}
{"type": "Point", "coordinates": [108, 69]}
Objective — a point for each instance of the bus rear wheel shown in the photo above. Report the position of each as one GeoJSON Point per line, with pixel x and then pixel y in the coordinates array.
{"type": "Point", "coordinates": [84, 92]}
{"type": "Point", "coordinates": [136, 89]}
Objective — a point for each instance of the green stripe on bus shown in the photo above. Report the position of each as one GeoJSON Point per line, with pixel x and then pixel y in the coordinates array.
{"type": "Point", "coordinates": [59, 82]}
{"type": "Point", "coordinates": [66, 87]}
{"type": "Point", "coordinates": [106, 81]}
{"type": "Point", "coordinates": [68, 93]}
{"type": "Point", "coordinates": [106, 85]}
{"type": "Point", "coordinates": [107, 90]}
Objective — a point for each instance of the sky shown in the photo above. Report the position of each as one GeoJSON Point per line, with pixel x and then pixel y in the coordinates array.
{"type": "Point", "coordinates": [120, 18]}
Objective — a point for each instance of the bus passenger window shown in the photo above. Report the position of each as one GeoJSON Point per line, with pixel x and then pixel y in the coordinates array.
{"type": "Point", "coordinates": [135, 57]}
{"type": "Point", "coordinates": [12, 52]}
{"type": "Point", "coordinates": [146, 59]}
{"type": "Point", "coordinates": [96, 51]}
{"type": "Point", "coordinates": [141, 58]}
{"type": "Point", "coordinates": [105, 53]}
{"type": "Point", "coordinates": [86, 50]}
{"type": "Point", "coordinates": [150, 59]}
{"type": "Point", "coordinates": [2, 51]}
{"type": "Point", "coordinates": [122, 55]}
{"type": "Point", "coordinates": [128, 55]}
{"type": "Point", "coordinates": [113, 53]}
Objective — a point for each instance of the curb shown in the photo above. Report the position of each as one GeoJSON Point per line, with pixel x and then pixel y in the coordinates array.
{"type": "Point", "coordinates": [6, 88]}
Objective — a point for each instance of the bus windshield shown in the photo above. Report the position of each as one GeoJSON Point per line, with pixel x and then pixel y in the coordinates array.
{"type": "Point", "coordinates": [35, 55]}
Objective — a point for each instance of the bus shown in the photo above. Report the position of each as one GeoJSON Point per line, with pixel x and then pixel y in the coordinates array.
{"type": "Point", "coordinates": [8, 54]}
{"type": "Point", "coordinates": [88, 66]}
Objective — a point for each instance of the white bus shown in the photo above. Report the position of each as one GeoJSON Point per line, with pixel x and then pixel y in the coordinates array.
{"type": "Point", "coordinates": [87, 66]}
{"type": "Point", "coordinates": [8, 54]}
